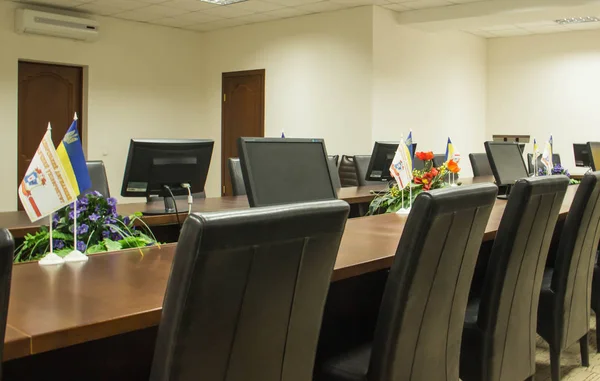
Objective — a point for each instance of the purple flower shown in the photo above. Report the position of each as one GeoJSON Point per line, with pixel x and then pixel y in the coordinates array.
{"type": "Point", "coordinates": [81, 246]}
{"type": "Point", "coordinates": [126, 220]}
{"type": "Point", "coordinates": [94, 217]}
{"type": "Point", "coordinates": [105, 234]}
{"type": "Point", "coordinates": [82, 229]}
{"type": "Point", "coordinates": [55, 218]}
{"type": "Point", "coordinates": [95, 193]}
{"type": "Point", "coordinates": [82, 201]}
{"type": "Point", "coordinates": [112, 201]}
{"type": "Point", "coordinates": [116, 236]}
{"type": "Point", "coordinates": [58, 244]}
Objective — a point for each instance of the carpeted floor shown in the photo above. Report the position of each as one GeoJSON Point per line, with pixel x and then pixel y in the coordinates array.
{"type": "Point", "coordinates": [570, 364]}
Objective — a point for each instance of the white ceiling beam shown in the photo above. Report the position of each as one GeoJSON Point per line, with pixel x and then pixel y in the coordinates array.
{"type": "Point", "coordinates": [497, 12]}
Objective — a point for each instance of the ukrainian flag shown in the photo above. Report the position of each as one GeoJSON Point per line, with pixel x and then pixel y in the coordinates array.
{"type": "Point", "coordinates": [71, 156]}
{"type": "Point", "coordinates": [449, 150]}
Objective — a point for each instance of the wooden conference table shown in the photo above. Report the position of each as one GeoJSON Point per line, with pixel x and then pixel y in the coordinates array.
{"type": "Point", "coordinates": [19, 224]}
{"type": "Point", "coordinates": [114, 293]}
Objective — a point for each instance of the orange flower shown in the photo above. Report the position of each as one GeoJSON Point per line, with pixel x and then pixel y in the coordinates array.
{"type": "Point", "coordinates": [453, 166]}
{"type": "Point", "coordinates": [425, 156]}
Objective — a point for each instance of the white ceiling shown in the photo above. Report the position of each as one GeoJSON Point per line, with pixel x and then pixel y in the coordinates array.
{"type": "Point", "coordinates": [485, 18]}
{"type": "Point", "coordinates": [200, 16]}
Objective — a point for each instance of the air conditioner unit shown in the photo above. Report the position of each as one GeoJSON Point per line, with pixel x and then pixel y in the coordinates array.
{"type": "Point", "coordinates": [56, 25]}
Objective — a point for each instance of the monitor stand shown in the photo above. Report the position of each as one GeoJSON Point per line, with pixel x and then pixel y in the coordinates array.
{"type": "Point", "coordinates": [506, 194]}
{"type": "Point", "coordinates": [169, 206]}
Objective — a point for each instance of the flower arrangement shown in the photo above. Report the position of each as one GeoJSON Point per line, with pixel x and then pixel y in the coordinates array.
{"type": "Point", "coordinates": [392, 199]}
{"type": "Point", "coordinates": [100, 228]}
{"type": "Point", "coordinates": [557, 170]}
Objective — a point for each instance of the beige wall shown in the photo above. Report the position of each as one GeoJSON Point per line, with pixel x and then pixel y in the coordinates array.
{"type": "Point", "coordinates": [142, 82]}
{"type": "Point", "coordinates": [432, 83]}
{"type": "Point", "coordinates": [546, 84]}
{"type": "Point", "coordinates": [318, 75]}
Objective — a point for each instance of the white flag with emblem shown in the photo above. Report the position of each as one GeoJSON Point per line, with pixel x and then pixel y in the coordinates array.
{"type": "Point", "coordinates": [46, 187]}
{"type": "Point", "coordinates": [401, 167]}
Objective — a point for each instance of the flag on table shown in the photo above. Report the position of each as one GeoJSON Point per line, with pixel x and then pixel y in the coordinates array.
{"type": "Point", "coordinates": [46, 187]}
{"type": "Point", "coordinates": [71, 156]}
{"type": "Point", "coordinates": [536, 149]}
{"type": "Point", "coordinates": [409, 144]}
{"type": "Point", "coordinates": [451, 153]}
{"type": "Point", "coordinates": [547, 155]}
{"type": "Point", "coordinates": [401, 167]}
{"type": "Point", "coordinates": [282, 134]}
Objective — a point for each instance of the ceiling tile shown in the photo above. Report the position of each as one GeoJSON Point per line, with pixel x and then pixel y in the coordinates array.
{"type": "Point", "coordinates": [321, 6]}
{"type": "Point", "coordinates": [256, 6]}
{"type": "Point", "coordinates": [293, 3]}
{"type": "Point", "coordinates": [228, 11]}
{"type": "Point", "coordinates": [189, 5]}
{"type": "Point", "coordinates": [174, 22]}
{"type": "Point", "coordinates": [287, 12]}
{"type": "Point", "coordinates": [199, 17]}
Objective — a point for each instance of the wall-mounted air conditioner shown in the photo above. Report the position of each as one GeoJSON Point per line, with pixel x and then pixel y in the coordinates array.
{"type": "Point", "coordinates": [56, 25]}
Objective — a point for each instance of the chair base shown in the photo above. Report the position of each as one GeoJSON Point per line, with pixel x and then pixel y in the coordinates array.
{"type": "Point", "coordinates": [585, 350]}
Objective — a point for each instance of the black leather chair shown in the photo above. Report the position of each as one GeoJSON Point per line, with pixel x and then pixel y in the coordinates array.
{"type": "Point", "coordinates": [439, 159]}
{"type": "Point", "coordinates": [480, 164]}
{"type": "Point", "coordinates": [564, 309]}
{"type": "Point", "coordinates": [361, 163]}
{"type": "Point", "coordinates": [7, 250]}
{"type": "Point", "coordinates": [420, 321]}
{"type": "Point", "coordinates": [335, 159]}
{"type": "Point", "coordinates": [347, 172]}
{"type": "Point", "coordinates": [237, 179]}
{"type": "Point", "coordinates": [499, 333]}
{"type": "Point", "coordinates": [98, 176]}
{"type": "Point", "coordinates": [246, 293]}
{"type": "Point", "coordinates": [596, 299]}
{"type": "Point", "coordinates": [540, 164]}
{"type": "Point", "coordinates": [333, 171]}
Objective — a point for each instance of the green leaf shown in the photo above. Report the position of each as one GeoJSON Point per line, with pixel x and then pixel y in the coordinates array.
{"type": "Point", "coordinates": [60, 235]}
{"type": "Point", "coordinates": [112, 245]}
{"type": "Point", "coordinates": [98, 248]}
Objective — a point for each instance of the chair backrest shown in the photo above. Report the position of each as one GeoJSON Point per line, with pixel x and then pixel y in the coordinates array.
{"type": "Point", "coordinates": [333, 171]}
{"type": "Point", "coordinates": [480, 164]}
{"type": "Point", "coordinates": [246, 293]}
{"type": "Point", "coordinates": [347, 172]}
{"type": "Point", "coordinates": [361, 163]}
{"type": "Point", "coordinates": [237, 179]}
{"type": "Point", "coordinates": [335, 159]}
{"type": "Point", "coordinates": [540, 164]}
{"type": "Point", "coordinates": [575, 257]}
{"type": "Point", "coordinates": [421, 318]}
{"type": "Point", "coordinates": [98, 176]}
{"type": "Point", "coordinates": [511, 289]}
{"type": "Point", "coordinates": [439, 159]}
{"type": "Point", "coordinates": [7, 249]}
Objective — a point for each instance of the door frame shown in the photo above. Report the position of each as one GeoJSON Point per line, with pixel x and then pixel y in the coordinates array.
{"type": "Point", "coordinates": [233, 74]}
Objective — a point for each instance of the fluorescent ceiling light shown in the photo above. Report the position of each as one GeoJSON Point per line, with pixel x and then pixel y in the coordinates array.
{"type": "Point", "coordinates": [223, 2]}
{"type": "Point", "coordinates": [577, 20]}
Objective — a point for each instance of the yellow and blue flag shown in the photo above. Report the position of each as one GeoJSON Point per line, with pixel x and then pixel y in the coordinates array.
{"type": "Point", "coordinates": [71, 156]}
{"type": "Point", "coordinates": [449, 150]}
{"type": "Point", "coordinates": [409, 145]}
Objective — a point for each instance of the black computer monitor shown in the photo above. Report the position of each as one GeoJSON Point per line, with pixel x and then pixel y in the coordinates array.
{"type": "Point", "coordinates": [507, 163]}
{"type": "Point", "coordinates": [594, 152]}
{"type": "Point", "coordinates": [582, 155]}
{"type": "Point", "coordinates": [381, 159]}
{"type": "Point", "coordinates": [283, 171]}
{"type": "Point", "coordinates": [160, 167]}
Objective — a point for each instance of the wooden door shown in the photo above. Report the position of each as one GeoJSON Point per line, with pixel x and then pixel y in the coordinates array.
{"type": "Point", "coordinates": [243, 115]}
{"type": "Point", "coordinates": [47, 93]}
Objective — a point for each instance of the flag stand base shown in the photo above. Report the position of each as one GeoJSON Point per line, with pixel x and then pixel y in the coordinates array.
{"type": "Point", "coordinates": [51, 259]}
{"type": "Point", "coordinates": [403, 211]}
{"type": "Point", "coordinates": [76, 256]}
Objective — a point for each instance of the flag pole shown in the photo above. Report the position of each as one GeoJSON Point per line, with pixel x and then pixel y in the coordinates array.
{"type": "Point", "coordinates": [535, 170]}
{"type": "Point", "coordinates": [51, 258]}
{"type": "Point", "coordinates": [75, 255]}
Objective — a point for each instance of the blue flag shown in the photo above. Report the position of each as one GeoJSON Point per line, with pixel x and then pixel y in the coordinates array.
{"type": "Point", "coordinates": [409, 144]}
{"type": "Point", "coordinates": [71, 156]}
